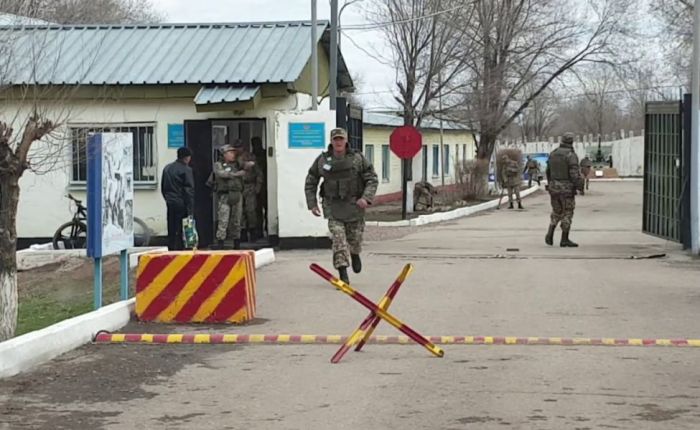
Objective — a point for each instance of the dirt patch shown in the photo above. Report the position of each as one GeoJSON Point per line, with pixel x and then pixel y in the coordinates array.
{"type": "Point", "coordinates": [55, 292]}
{"type": "Point", "coordinates": [391, 211]}
{"type": "Point", "coordinates": [54, 395]}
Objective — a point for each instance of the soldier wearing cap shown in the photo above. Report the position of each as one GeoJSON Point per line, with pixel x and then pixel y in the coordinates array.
{"type": "Point", "coordinates": [228, 177]}
{"type": "Point", "coordinates": [348, 188]}
{"type": "Point", "coordinates": [563, 180]}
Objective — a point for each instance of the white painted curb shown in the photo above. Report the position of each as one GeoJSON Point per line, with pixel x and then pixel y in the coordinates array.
{"type": "Point", "coordinates": [24, 352]}
{"type": "Point", "coordinates": [446, 216]}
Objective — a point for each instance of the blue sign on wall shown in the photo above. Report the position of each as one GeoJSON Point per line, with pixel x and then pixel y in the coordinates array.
{"type": "Point", "coordinates": [307, 135]}
{"type": "Point", "coordinates": [176, 136]}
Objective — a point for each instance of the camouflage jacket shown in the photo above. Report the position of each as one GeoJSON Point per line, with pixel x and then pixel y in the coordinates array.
{"type": "Point", "coordinates": [532, 166]}
{"type": "Point", "coordinates": [253, 179]}
{"type": "Point", "coordinates": [563, 174]}
{"type": "Point", "coordinates": [511, 174]}
{"type": "Point", "coordinates": [345, 180]}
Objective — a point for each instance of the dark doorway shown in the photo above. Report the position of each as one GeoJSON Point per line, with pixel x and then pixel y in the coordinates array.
{"type": "Point", "coordinates": [204, 138]}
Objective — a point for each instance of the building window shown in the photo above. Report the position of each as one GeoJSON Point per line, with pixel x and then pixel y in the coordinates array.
{"type": "Point", "coordinates": [447, 159]}
{"type": "Point", "coordinates": [144, 151]}
{"type": "Point", "coordinates": [425, 162]}
{"type": "Point", "coordinates": [369, 153]}
{"type": "Point", "coordinates": [436, 160]}
{"type": "Point", "coordinates": [385, 162]}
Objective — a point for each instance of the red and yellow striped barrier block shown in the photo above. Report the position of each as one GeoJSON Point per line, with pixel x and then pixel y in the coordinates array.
{"type": "Point", "coordinates": [201, 286]}
{"type": "Point", "coordinates": [281, 339]}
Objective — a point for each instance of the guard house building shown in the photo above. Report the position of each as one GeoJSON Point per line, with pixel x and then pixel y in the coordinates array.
{"type": "Point", "coordinates": [170, 85]}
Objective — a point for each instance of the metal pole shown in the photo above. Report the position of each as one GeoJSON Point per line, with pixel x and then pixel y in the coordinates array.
{"type": "Point", "coordinates": [97, 284]}
{"type": "Point", "coordinates": [334, 54]}
{"type": "Point", "coordinates": [404, 187]}
{"type": "Point", "coordinates": [442, 146]}
{"type": "Point", "coordinates": [695, 138]}
{"type": "Point", "coordinates": [314, 59]}
{"type": "Point", "coordinates": [124, 275]}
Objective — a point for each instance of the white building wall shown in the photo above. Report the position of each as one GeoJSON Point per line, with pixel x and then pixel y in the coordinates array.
{"type": "Point", "coordinates": [456, 141]}
{"type": "Point", "coordinates": [628, 154]}
{"type": "Point", "coordinates": [43, 206]}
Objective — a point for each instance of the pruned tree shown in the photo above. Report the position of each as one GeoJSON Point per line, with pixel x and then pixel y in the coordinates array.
{"type": "Point", "coordinates": [30, 118]}
{"type": "Point", "coordinates": [539, 118]}
{"type": "Point", "coordinates": [521, 47]}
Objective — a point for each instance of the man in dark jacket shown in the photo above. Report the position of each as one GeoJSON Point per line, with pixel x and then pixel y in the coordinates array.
{"type": "Point", "coordinates": [177, 187]}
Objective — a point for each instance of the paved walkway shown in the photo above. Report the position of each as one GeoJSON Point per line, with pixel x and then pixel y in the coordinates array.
{"type": "Point", "coordinates": [490, 275]}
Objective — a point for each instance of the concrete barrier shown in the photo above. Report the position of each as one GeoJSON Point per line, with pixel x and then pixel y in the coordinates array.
{"type": "Point", "coordinates": [202, 286]}
{"type": "Point", "coordinates": [22, 353]}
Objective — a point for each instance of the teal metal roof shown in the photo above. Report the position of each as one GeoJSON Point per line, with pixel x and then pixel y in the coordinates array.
{"type": "Point", "coordinates": [394, 120]}
{"type": "Point", "coordinates": [227, 53]}
{"type": "Point", "coordinates": [226, 94]}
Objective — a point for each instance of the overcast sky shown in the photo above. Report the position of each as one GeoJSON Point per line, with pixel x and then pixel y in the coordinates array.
{"type": "Point", "coordinates": [375, 77]}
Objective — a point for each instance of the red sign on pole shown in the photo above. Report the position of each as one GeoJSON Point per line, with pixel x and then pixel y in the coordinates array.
{"type": "Point", "coordinates": [406, 142]}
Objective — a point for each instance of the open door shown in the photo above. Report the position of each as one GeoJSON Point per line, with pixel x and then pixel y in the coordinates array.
{"type": "Point", "coordinates": [198, 137]}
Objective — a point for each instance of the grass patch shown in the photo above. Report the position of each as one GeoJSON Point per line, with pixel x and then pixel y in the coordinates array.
{"type": "Point", "coordinates": [57, 292]}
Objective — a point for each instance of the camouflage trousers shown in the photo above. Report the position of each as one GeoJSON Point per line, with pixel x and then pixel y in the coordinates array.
{"type": "Point", "coordinates": [563, 206]}
{"type": "Point", "coordinates": [250, 209]}
{"type": "Point", "coordinates": [347, 239]}
{"type": "Point", "coordinates": [513, 190]}
{"type": "Point", "coordinates": [228, 217]}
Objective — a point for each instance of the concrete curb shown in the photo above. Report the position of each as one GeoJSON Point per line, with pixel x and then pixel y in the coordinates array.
{"type": "Point", "coordinates": [446, 216]}
{"type": "Point", "coordinates": [24, 352]}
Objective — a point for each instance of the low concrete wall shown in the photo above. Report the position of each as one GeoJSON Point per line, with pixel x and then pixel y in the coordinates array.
{"type": "Point", "coordinates": [24, 352]}
{"type": "Point", "coordinates": [29, 258]}
{"type": "Point", "coordinates": [446, 216]}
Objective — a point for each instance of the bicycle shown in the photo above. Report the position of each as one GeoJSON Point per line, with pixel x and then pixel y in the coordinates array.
{"type": "Point", "coordinates": [73, 234]}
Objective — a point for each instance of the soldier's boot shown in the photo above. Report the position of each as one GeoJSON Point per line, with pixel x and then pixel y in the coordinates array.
{"type": "Point", "coordinates": [343, 272]}
{"type": "Point", "coordinates": [520, 205]}
{"type": "Point", "coordinates": [236, 243]}
{"type": "Point", "coordinates": [565, 242]}
{"type": "Point", "coordinates": [510, 206]}
{"type": "Point", "coordinates": [549, 238]}
{"type": "Point", "coordinates": [219, 244]}
{"type": "Point", "coordinates": [356, 263]}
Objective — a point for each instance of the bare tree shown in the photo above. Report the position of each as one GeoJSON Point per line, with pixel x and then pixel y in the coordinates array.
{"type": "Point", "coordinates": [522, 46]}
{"type": "Point", "coordinates": [30, 118]}
{"type": "Point", "coordinates": [84, 11]}
{"type": "Point", "coordinates": [538, 119]}
{"type": "Point", "coordinates": [677, 35]}
{"type": "Point", "coordinates": [426, 51]}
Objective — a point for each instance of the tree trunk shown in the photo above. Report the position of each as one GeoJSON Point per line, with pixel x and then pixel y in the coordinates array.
{"type": "Point", "coordinates": [9, 197]}
{"type": "Point", "coordinates": [480, 175]}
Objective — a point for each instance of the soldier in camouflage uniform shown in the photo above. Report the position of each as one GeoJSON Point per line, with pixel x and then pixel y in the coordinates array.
{"type": "Point", "coordinates": [423, 193]}
{"type": "Point", "coordinates": [586, 166]}
{"type": "Point", "coordinates": [511, 180]}
{"type": "Point", "coordinates": [228, 178]}
{"type": "Point", "coordinates": [252, 185]}
{"type": "Point", "coordinates": [563, 178]}
{"type": "Point", "coordinates": [532, 167]}
{"type": "Point", "coordinates": [348, 188]}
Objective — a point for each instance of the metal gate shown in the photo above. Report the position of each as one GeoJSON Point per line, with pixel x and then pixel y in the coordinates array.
{"type": "Point", "coordinates": [664, 170]}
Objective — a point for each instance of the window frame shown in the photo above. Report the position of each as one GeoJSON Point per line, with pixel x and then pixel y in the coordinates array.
{"type": "Point", "coordinates": [386, 163]}
{"type": "Point", "coordinates": [138, 184]}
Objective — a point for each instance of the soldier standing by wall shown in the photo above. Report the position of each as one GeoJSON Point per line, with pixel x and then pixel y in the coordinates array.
{"type": "Point", "coordinates": [511, 179]}
{"type": "Point", "coordinates": [228, 176]}
{"type": "Point", "coordinates": [563, 178]}
{"type": "Point", "coordinates": [349, 185]}
{"type": "Point", "coordinates": [532, 167]}
{"type": "Point", "coordinates": [252, 185]}
{"type": "Point", "coordinates": [586, 165]}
